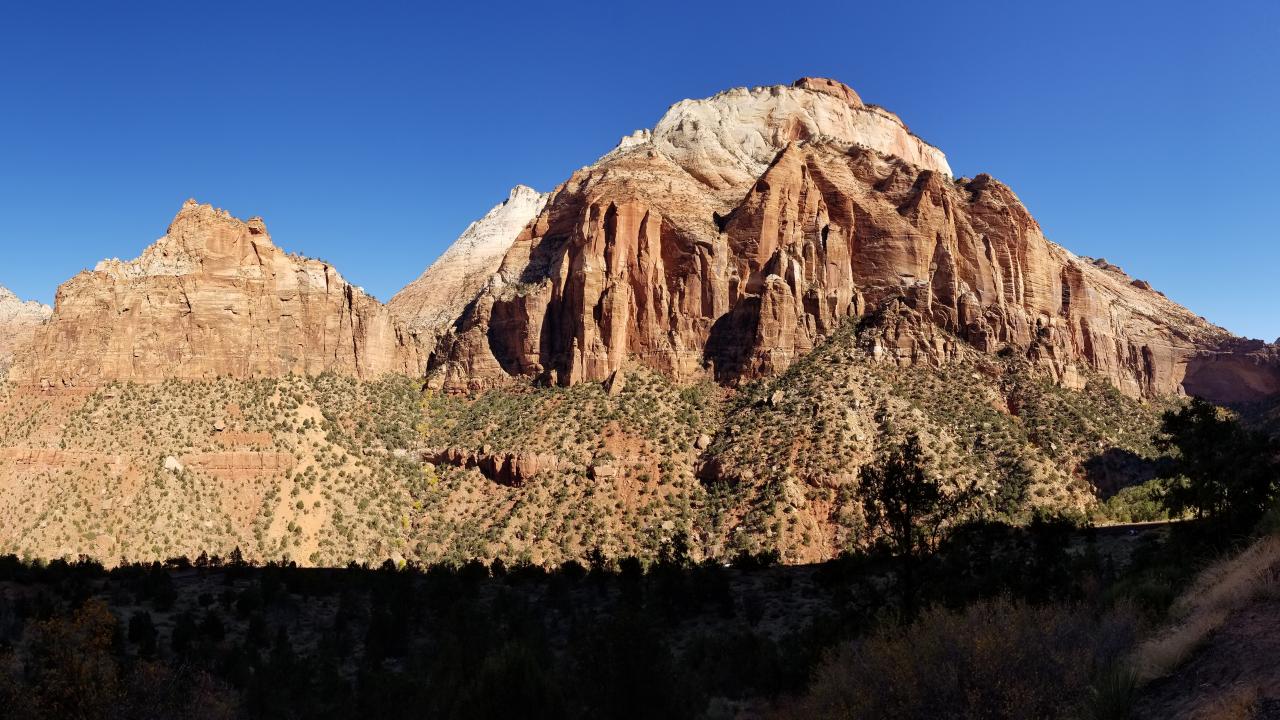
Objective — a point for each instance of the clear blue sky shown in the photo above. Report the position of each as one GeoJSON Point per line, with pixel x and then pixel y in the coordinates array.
{"type": "Point", "coordinates": [370, 134]}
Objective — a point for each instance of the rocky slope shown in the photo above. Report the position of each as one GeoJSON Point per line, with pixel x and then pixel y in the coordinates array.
{"type": "Point", "coordinates": [326, 469]}
{"type": "Point", "coordinates": [745, 228]}
{"type": "Point", "coordinates": [430, 304]}
{"type": "Point", "coordinates": [213, 297]}
{"type": "Point", "coordinates": [295, 465]}
{"type": "Point", "coordinates": [18, 320]}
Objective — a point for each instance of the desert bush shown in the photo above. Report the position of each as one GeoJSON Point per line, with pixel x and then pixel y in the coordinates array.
{"type": "Point", "coordinates": [72, 665]}
{"type": "Point", "coordinates": [994, 659]}
{"type": "Point", "coordinates": [1138, 503]}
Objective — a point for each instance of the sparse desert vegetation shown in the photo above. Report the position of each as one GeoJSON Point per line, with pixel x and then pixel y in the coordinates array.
{"type": "Point", "coordinates": [325, 469]}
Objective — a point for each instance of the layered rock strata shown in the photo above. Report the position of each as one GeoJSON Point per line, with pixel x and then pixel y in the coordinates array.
{"type": "Point", "coordinates": [513, 469]}
{"type": "Point", "coordinates": [213, 297]}
{"type": "Point", "coordinates": [18, 321]}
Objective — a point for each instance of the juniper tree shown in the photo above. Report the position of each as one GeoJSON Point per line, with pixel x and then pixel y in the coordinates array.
{"type": "Point", "coordinates": [1216, 468]}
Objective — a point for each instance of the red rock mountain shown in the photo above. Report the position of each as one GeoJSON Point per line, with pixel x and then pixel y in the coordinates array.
{"type": "Point", "coordinates": [740, 231]}
{"type": "Point", "coordinates": [213, 297]}
{"type": "Point", "coordinates": [726, 242]}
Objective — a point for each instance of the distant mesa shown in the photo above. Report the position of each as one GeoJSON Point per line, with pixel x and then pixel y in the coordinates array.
{"type": "Point", "coordinates": [429, 305]}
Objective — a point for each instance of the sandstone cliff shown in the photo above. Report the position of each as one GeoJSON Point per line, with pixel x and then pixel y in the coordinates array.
{"type": "Point", "coordinates": [430, 304]}
{"type": "Point", "coordinates": [746, 227]}
{"type": "Point", "coordinates": [18, 321]}
{"type": "Point", "coordinates": [213, 297]}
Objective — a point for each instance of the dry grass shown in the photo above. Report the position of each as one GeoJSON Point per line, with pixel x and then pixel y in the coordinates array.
{"type": "Point", "coordinates": [1219, 591]}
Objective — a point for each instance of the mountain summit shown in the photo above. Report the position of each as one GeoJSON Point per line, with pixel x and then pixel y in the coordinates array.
{"type": "Point", "coordinates": [744, 228]}
{"type": "Point", "coordinates": [730, 138]}
{"type": "Point", "coordinates": [794, 244]}
{"type": "Point", "coordinates": [729, 240]}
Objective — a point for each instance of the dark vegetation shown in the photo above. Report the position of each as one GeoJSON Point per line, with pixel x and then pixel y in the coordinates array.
{"type": "Point", "coordinates": [1042, 631]}
{"type": "Point", "coordinates": [674, 639]}
{"type": "Point", "coordinates": [1220, 470]}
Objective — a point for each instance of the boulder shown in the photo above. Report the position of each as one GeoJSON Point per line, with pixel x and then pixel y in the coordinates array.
{"type": "Point", "coordinates": [615, 383]}
{"type": "Point", "coordinates": [603, 471]}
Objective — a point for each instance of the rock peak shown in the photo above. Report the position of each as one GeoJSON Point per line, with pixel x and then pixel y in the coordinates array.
{"type": "Point", "coordinates": [214, 297]}
{"type": "Point", "coordinates": [728, 139]}
{"type": "Point", "coordinates": [201, 238]}
{"type": "Point", "coordinates": [18, 321]}
{"type": "Point", "coordinates": [522, 190]}
{"type": "Point", "coordinates": [748, 227]}
{"type": "Point", "coordinates": [200, 228]}
{"type": "Point", "coordinates": [13, 306]}
{"type": "Point", "coordinates": [428, 305]}
{"type": "Point", "coordinates": [835, 88]}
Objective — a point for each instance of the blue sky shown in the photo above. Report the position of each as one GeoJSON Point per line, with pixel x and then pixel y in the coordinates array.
{"type": "Point", "coordinates": [370, 134]}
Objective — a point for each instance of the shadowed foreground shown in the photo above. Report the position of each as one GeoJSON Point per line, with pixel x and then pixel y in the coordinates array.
{"type": "Point", "coordinates": [220, 638]}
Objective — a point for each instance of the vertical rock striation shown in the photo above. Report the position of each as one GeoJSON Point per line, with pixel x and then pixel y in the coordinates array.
{"type": "Point", "coordinates": [741, 230]}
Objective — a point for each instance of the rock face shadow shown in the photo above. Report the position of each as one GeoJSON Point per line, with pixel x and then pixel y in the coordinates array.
{"type": "Point", "coordinates": [1115, 469]}
{"type": "Point", "coordinates": [730, 342]}
{"type": "Point", "coordinates": [1247, 374]}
